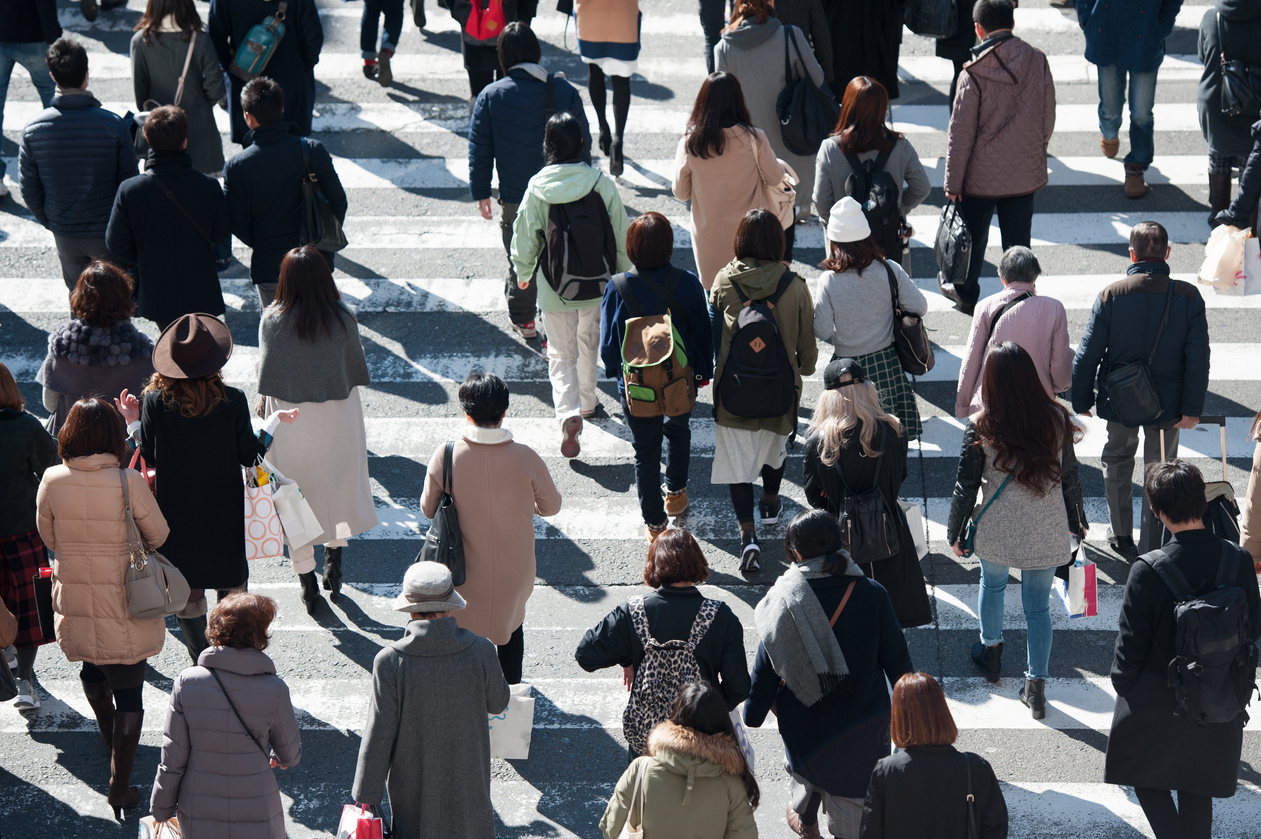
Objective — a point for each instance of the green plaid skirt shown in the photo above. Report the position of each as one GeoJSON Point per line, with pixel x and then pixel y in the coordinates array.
{"type": "Point", "coordinates": [884, 370]}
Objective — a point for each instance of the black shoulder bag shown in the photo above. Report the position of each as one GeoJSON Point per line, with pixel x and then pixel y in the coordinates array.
{"type": "Point", "coordinates": [443, 543]}
{"type": "Point", "coordinates": [319, 225]}
{"type": "Point", "coordinates": [1128, 387]}
{"type": "Point", "coordinates": [239, 718]}
{"type": "Point", "coordinates": [869, 531]}
{"type": "Point", "coordinates": [910, 336]}
{"type": "Point", "coordinates": [1241, 82]}
{"type": "Point", "coordinates": [807, 113]}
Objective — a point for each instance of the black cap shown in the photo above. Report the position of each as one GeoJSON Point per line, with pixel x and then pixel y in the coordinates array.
{"type": "Point", "coordinates": [839, 367]}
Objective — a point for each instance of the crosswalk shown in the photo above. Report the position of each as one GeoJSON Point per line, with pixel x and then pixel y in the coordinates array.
{"type": "Point", "coordinates": [425, 274]}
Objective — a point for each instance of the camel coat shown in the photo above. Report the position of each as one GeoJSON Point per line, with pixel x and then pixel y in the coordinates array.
{"type": "Point", "coordinates": [498, 487]}
{"type": "Point", "coordinates": [722, 189]}
{"type": "Point", "coordinates": [80, 505]}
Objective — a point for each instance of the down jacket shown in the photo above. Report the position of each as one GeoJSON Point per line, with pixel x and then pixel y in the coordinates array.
{"type": "Point", "coordinates": [212, 775]}
{"type": "Point", "coordinates": [80, 506]}
{"type": "Point", "coordinates": [1127, 33]}
{"type": "Point", "coordinates": [71, 159]}
{"type": "Point", "coordinates": [1004, 113]}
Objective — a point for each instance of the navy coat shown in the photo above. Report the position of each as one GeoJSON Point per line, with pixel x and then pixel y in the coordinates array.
{"type": "Point", "coordinates": [1122, 329]}
{"type": "Point", "coordinates": [1241, 28]}
{"type": "Point", "coordinates": [1129, 34]}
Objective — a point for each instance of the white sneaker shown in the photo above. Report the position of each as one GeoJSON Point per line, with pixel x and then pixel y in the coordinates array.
{"type": "Point", "coordinates": [4, 189]}
{"type": "Point", "coordinates": [27, 699]}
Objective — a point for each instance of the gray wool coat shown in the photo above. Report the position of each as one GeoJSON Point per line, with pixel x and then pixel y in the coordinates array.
{"type": "Point", "coordinates": [155, 72]}
{"type": "Point", "coordinates": [426, 736]}
{"type": "Point", "coordinates": [212, 774]}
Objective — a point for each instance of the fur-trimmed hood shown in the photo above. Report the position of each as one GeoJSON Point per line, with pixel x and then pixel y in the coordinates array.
{"type": "Point", "coordinates": [686, 751]}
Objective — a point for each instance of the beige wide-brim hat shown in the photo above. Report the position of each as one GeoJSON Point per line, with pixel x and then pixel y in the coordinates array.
{"type": "Point", "coordinates": [427, 588]}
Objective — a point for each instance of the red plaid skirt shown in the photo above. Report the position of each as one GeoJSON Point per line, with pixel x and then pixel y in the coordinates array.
{"type": "Point", "coordinates": [20, 557]}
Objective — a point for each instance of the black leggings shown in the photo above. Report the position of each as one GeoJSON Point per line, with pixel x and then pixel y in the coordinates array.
{"type": "Point", "coordinates": [512, 656]}
{"type": "Point", "coordinates": [742, 494]}
{"type": "Point", "coordinates": [1191, 819]}
{"type": "Point", "coordinates": [621, 98]}
{"type": "Point", "coordinates": [125, 680]}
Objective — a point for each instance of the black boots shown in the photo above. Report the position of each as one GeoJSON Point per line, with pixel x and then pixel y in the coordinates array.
{"type": "Point", "coordinates": [333, 571]}
{"type": "Point", "coordinates": [310, 592]}
{"type": "Point", "coordinates": [122, 795]}
{"type": "Point", "coordinates": [989, 659]}
{"type": "Point", "coordinates": [1033, 695]}
{"type": "Point", "coordinates": [616, 162]}
{"type": "Point", "coordinates": [101, 698]}
{"type": "Point", "coordinates": [1218, 195]}
{"type": "Point", "coordinates": [194, 632]}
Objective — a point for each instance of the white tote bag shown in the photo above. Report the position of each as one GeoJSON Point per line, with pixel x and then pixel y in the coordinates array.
{"type": "Point", "coordinates": [296, 516]}
{"type": "Point", "coordinates": [915, 521]}
{"type": "Point", "coordinates": [510, 730]}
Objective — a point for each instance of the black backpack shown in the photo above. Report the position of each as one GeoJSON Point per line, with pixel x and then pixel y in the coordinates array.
{"type": "Point", "coordinates": [1214, 670]}
{"type": "Point", "coordinates": [870, 185]}
{"type": "Point", "coordinates": [758, 380]}
{"type": "Point", "coordinates": [869, 530]}
{"type": "Point", "coordinates": [580, 250]}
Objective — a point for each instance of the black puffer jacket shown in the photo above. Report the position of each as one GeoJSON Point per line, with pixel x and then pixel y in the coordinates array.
{"type": "Point", "coordinates": [26, 450]}
{"type": "Point", "coordinates": [29, 22]}
{"type": "Point", "coordinates": [71, 160]}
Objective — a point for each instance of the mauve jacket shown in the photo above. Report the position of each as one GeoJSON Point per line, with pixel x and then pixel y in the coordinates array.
{"type": "Point", "coordinates": [1004, 113]}
{"type": "Point", "coordinates": [212, 774]}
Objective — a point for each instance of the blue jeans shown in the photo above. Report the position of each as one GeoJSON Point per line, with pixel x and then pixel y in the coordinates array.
{"type": "Point", "coordinates": [30, 56]}
{"type": "Point", "coordinates": [1035, 592]}
{"type": "Point", "coordinates": [1142, 97]}
{"type": "Point", "coordinates": [647, 434]}
{"type": "Point", "coordinates": [372, 10]}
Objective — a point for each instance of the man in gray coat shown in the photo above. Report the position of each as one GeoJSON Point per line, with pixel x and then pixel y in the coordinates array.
{"type": "Point", "coordinates": [443, 681]}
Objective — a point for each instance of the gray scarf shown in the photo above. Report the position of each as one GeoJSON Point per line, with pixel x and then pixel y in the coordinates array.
{"type": "Point", "coordinates": [535, 70]}
{"type": "Point", "coordinates": [797, 636]}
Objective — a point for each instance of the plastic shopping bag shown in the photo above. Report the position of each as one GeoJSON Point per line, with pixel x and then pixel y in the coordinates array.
{"type": "Point", "coordinates": [357, 822]}
{"type": "Point", "coordinates": [296, 516]}
{"type": "Point", "coordinates": [1252, 265]}
{"type": "Point", "coordinates": [742, 737]}
{"type": "Point", "coordinates": [510, 731]}
{"type": "Point", "coordinates": [915, 521]}
{"type": "Point", "coordinates": [1078, 593]}
{"type": "Point", "coordinates": [151, 829]}
{"type": "Point", "coordinates": [263, 535]}
{"type": "Point", "coordinates": [1224, 260]}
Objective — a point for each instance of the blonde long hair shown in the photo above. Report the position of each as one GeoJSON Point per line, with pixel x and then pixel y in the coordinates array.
{"type": "Point", "coordinates": [838, 412]}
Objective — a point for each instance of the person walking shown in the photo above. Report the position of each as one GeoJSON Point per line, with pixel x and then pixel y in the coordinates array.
{"type": "Point", "coordinates": [808, 16]}
{"type": "Point", "coordinates": [1019, 314]}
{"type": "Point", "coordinates": [854, 309]}
{"type": "Point", "coordinates": [192, 424]}
{"type": "Point", "coordinates": [748, 447]}
{"type": "Point", "coordinates": [608, 43]}
{"type": "Point", "coordinates": [1124, 328]}
{"type": "Point", "coordinates": [501, 485]}
{"type": "Point", "coordinates": [264, 184]}
{"type": "Point", "coordinates": [70, 193]}
{"type": "Point", "coordinates": [1231, 28]}
{"type": "Point", "coordinates": [99, 352]}
{"type": "Point", "coordinates": [1153, 746]}
{"type": "Point", "coordinates": [505, 138]}
{"type": "Point", "coordinates": [832, 708]}
{"type": "Point", "coordinates": [1127, 46]}
{"type": "Point", "coordinates": [673, 613]}
{"type": "Point", "coordinates": [754, 47]}
{"type": "Point", "coordinates": [854, 446]}
{"type": "Point", "coordinates": [376, 62]}
{"type": "Point", "coordinates": [27, 28]}
{"type": "Point", "coordinates": [425, 736]}
{"type": "Point", "coordinates": [866, 40]}
{"type": "Point", "coordinates": [928, 787]}
{"type": "Point", "coordinates": [479, 38]}
{"type": "Point", "coordinates": [164, 35]}
{"type": "Point", "coordinates": [694, 780]}
{"type": "Point", "coordinates": [310, 359]}
{"type": "Point", "coordinates": [292, 65]}
{"type": "Point", "coordinates": [657, 287]}
{"type": "Point", "coordinates": [167, 225]}
{"type": "Point", "coordinates": [82, 521]}
{"type": "Point", "coordinates": [1017, 451]}
{"type": "Point", "coordinates": [573, 326]}
{"type": "Point", "coordinates": [996, 143]}
{"type": "Point", "coordinates": [861, 135]}
{"type": "Point", "coordinates": [229, 723]}
{"type": "Point", "coordinates": [26, 453]}
{"type": "Point", "coordinates": [712, 172]}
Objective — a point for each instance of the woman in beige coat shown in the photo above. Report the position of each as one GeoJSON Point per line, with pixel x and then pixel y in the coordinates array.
{"type": "Point", "coordinates": [498, 486]}
{"type": "Point", "coordinates": [82, 521]}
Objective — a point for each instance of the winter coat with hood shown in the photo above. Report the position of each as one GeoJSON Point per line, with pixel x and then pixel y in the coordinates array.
{"type": "Point", "coordinates": [213, 775]}
{"type": "Point", "coordinates": [426, 735]}
{"type": "Point", "coordinates": [1129, 34]}
{"type": "Point", "coordinates": [1004, 113]}
{"type": "Point", "coordinates": [155, 72]}
{"type": "Point", "coordinates": [794, 317]}
{"type": "Point", "coordinates": [561, 183]}
{"type": "Point", "coordinates": [1235, 26]}
{"type": "Point", "coordinates": [81, 521]}
{"type": "Point", "coordinates": [692, 786]}
{"type": "Point", "coordinates": [26, 452]}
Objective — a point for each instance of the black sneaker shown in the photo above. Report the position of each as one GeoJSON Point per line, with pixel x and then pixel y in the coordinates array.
{"type": "Point", "coordinates": [418, 13]}
{"type": "Point", "coordinates": [88, 9]}
{"type": "Point", "coordinates": [384, 76]}
{"type": "Point", "coordinates": [750, 553]}
{"type": "Point", "coordinates": [1124, 547]}
{"type": "Point", "coordinates": [370, 71]}
{"type": "Point", "coordinates": [770, 510]}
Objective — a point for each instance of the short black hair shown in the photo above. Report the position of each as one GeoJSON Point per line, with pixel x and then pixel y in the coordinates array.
{"type": "Point", "coordinates": [166, 128]}
{"type": "Point", "coordinates": [562, 140]}
{"type": "Point", "coordinates": [1175, 489]}
{"type": "Point", "coordinates": [760, 236]}
{"type": "Point", "coordinates": [263, 99]}
{"type": "Point", "coordinates": [484, 397]}
{"type": "Point", "coordinates": [1149, 240]}
{"type": "Point", "coordinates": [68, 62]}
{"type": "Point", "coordinates": [518, 45]}
{"type": "Point", "coordinates": [994, 15]}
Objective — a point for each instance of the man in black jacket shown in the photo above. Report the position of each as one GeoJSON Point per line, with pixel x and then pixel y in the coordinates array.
{"type": "Point", "coordinates": [71, 160]}
{"type": "Point", "coordinates": [1126, 327]}
{"type": "Point", "coordinates": [264, 184]}
{"type": "Point", "coordinates": [165, 224]}
{"type": "Point", "coordinates": [27, 27]}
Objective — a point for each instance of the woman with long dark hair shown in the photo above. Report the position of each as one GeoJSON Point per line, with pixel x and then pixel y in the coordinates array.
{"type": "Point", "coordinates": [714, 169]}
{"type": "Point", "coordinates": [862, 135]}
{"type": "Point", "coordinates": [310, 359]}
{"type": "Point", "coordinates": [1018, 453]}
{"type": "Point", "coordinates": [694, 780]}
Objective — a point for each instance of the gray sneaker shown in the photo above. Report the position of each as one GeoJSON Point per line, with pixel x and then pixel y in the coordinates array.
{"type": "Point", "coordinates": [11, 657]}
{"type": "Point", "coordinates": [27, 699]}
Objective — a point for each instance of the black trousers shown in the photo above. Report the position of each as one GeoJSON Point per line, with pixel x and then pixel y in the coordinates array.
{"type": "Point", "coordinates": [1191, 819]}
{"type": "Point", "coordinates": [125, 680]}
{"type": "Point", "coordinates": [512, 655]}
{"type": "Point", "coordinates": [1015, 221]}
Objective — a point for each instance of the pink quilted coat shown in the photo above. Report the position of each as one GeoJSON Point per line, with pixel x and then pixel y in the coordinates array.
{"type": "Point", "coordinates": [1004, 113]}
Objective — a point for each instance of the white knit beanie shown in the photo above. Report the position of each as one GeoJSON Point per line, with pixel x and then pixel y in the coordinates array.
{"type": "Point", "coordinates": [846, 222]}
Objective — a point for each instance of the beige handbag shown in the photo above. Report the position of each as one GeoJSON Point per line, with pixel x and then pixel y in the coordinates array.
{"type": "Point", "coordinates": [633, 828]}
{"type": "Point", "coordinates": [780, 198]}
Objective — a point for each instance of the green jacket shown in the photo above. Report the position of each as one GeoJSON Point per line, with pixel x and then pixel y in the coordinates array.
{"type": "Point", "coordinates": [692, 787]}
{"type": "Point", "coordinates": [559, 184]}
{"type": "Point", "coordinates": [794, 316]}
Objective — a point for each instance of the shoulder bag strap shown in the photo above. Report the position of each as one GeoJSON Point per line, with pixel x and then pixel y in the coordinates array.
{"type": "Point", "coordinates": [844, 600]}
{"type": "Point", "coordinates": [549, 96]}
{"type": "Point", "coordinates": [135, 543]}
{"type": "Point", "coordinates": [1171, 574]}
{"type": "Point", "coordinates": [993, 498]}
{"type": "Point", "coordinates": [1010, 304]}
{"type": "Point", "coordinates": [1164, 318]}
{"type": "Point", "coordinates": [170, 196]}
{"type": "Point", "coordinates": [188, 59]}
{"type": "Point", "coordinates": [1221, 39]}
{"type": "Point", "coordinates": [757, 164]}
{"type": "Point", "coordinates": [893, 290]}
{"type": "Point", "coordinates": [239, 718]}
{"type": "Point", "coordinates": [973, 827]}
{"type": "Point", "coordinates": [790, 37]}
{"type": "Point", "coordinates": [448, 454]}
{"type": "Point", "coordinates": [622, 284]}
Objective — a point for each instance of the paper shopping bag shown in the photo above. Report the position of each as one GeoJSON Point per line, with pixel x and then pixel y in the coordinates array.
{"type": "Point", "coordinates": [357, 822]}
{"type": "Point", "coordinates": [915, 521]}
{"type": "Point", "coordinates": [1078, 592]}
{"type": "Point", "coordinates": [510, 731]}
{"type": "Point", "coordinates": [296, 516]}
{"type": "Point", "coordinates": [263, 535]}
{"type": "Point", "coordinates": [151, 829]}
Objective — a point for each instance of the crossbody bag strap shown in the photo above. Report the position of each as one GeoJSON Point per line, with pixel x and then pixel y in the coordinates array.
{"type": "Point", "coordinates": [884, 430]}
{"type": "Point", "coordinates": [1010, 304]}
{"type": "Point", "coordinates": [993, 498]}
{"type": "Point", "coordinates": [1221, 38]}
{"type": "Point", "coordinates": [448, 456]}
{"type": "Point", "coordinates": [1164, 318]}
{"type": "Point", "coordinates": [973, 827]}
{"type": "Point", "coordinates": [239, 718]}
{"type": "Point", "coordinates": [844, 600]}
{"type": "Point", "coordinates": [629, 300]}
{"type": "Point", "coordinates": [170, 196]}
{"type": "Point", "coordinates": [188, 59]}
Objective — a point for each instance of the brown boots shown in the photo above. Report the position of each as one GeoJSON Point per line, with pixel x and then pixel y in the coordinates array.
{"type": "Point", "coordinates": [122, 795]}
{"type": "Point", "coordinates": [101, 698]}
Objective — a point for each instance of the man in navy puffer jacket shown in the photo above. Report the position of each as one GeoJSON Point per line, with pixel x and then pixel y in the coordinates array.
{"type": "Point", "coordinates": [506, 133]}
{"type": "Point", "coordinates": [71, 160]}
